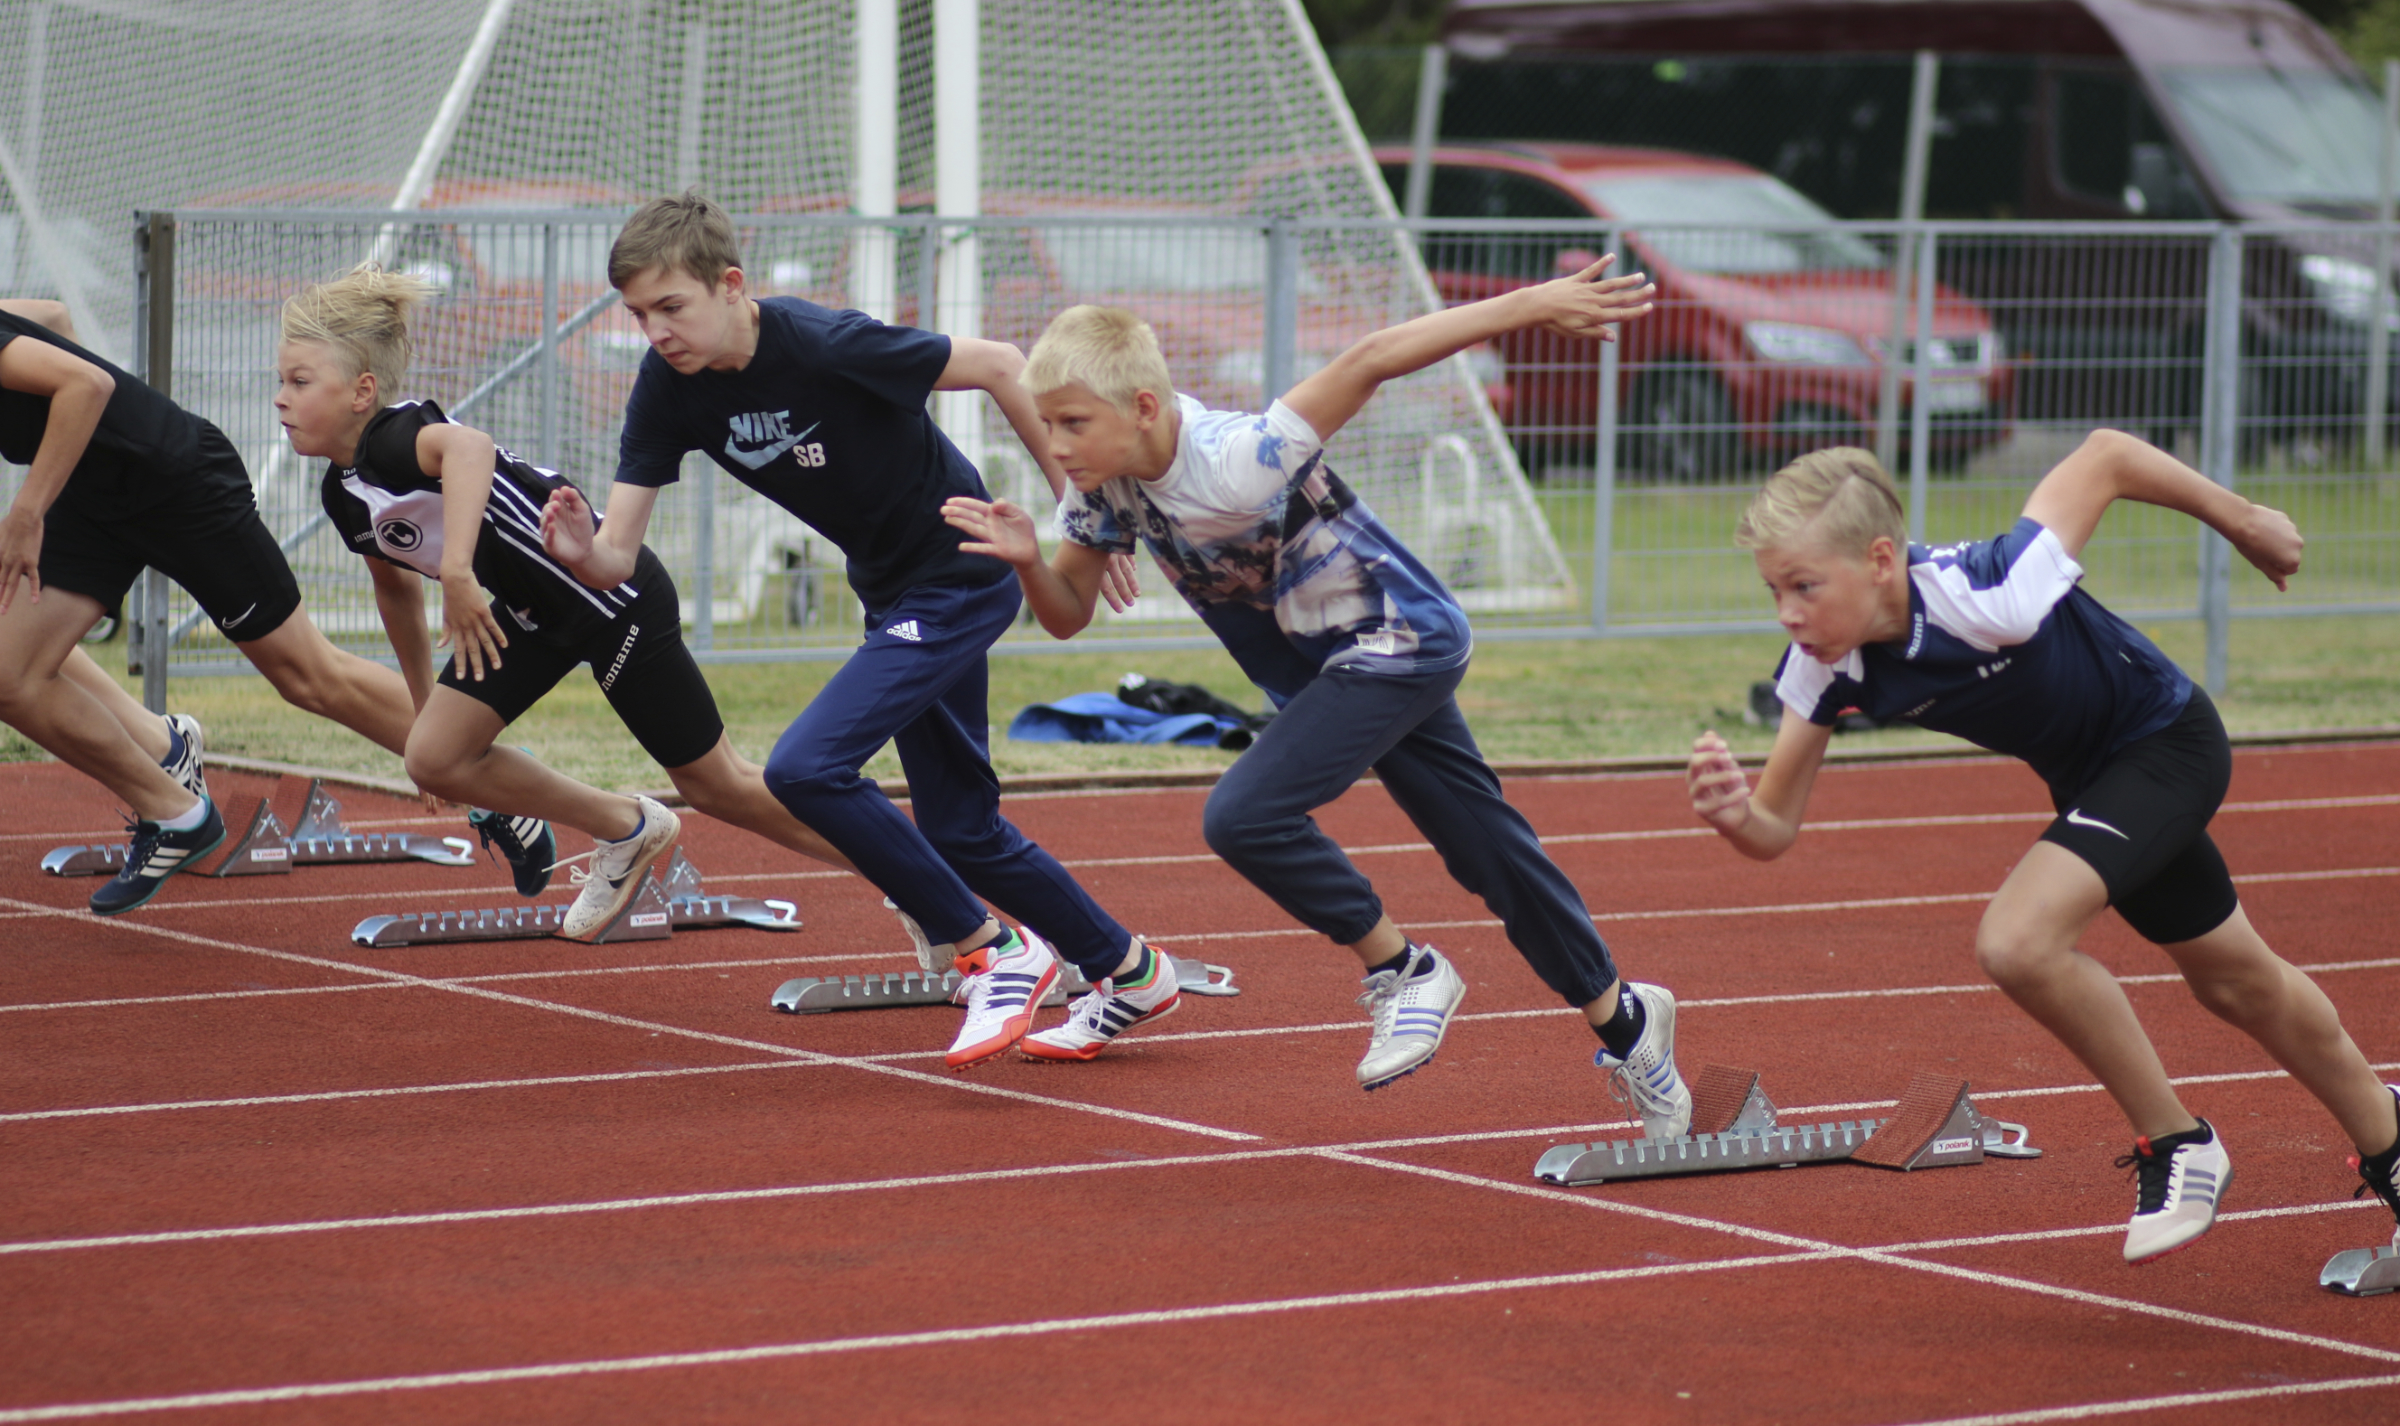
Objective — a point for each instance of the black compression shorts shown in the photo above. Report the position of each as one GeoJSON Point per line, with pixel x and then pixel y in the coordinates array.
{"type": "Point", "coordinates": [2143, 825]}
{"type": "Point", "coordinates": [204, 533]}
{"type": "Point", "coordinates": [639, 661]}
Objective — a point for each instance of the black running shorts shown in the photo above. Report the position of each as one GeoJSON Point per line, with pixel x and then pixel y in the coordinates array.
{"type": "Point", "coordinates": [2143, 825]}
{"type": "Point", "coordinates": [639, 661]}
{"type": "Point", "coordinates": [204, 533]}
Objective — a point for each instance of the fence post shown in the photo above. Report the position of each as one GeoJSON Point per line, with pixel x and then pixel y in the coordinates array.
{"type": "Point", "coordinates": [1604, 475]}
{"type": "Point", "coordinates": [1281, 356]}
{"type": "Point", "coordinates": [1920, 404]}
{"type": "Point", "coordinates": [147, 634]}
{"type": "Point", "coordinates": [704, 557]}
{"type": "Point", "coordinates": [2220, 439]}
{"type": "Point", "coordinates": [2379, 321]}
{"type": "Point", "coordinates": [549, 359]}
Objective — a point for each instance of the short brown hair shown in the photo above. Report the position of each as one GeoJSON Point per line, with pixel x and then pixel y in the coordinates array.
{"type": "Point", "coordinates": [1108, 351]}
{"type": "Point", "coordinates": [1840, 495]}
{"type": "Point", "coordinates": [363, 317]}
{"type": "Point", "coordinates": [687, 233]}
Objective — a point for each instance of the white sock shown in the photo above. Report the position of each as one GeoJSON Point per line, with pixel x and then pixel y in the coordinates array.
{"type": "Point", "coordinates": [188, 820]}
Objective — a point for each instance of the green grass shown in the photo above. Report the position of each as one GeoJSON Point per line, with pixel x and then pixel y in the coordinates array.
{"type": "Point", "coordinates": [1548, 700]}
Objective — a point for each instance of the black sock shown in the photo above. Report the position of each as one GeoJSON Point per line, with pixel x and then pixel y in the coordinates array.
{"type": "Point", "coordinates": [2162, 1147]}
{"type": "Point", "coordinates": [1400, 961]}
{"type": "Point", "coordinates": [1623, 1030]}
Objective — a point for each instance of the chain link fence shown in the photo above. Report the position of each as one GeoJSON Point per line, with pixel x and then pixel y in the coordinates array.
{"type": "Point", "coordinates": [1565, 488]}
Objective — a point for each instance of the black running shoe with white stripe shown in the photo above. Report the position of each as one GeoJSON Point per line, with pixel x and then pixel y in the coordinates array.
{"type": "Point", "coordinates": [184, 765]}
{"type": "Point", "coordinates": [527, 843]}
{"type": "Point", "coordinates": [155, 855]}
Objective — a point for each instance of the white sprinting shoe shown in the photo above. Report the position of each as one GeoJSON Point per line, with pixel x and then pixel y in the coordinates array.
{"type": "Point", "coordinates": [187, 769]}
{"type": "Point", "coordinates": [1096, 1020]}
{"type": "Point", "coordinates": [2178, 1192]}
{"type": "Point", "coordinates": [1004, 981]}
{"type": "Point", "coordinates": [617, 869]}
{"type": "Point", "coordinates": [1410, 1011]}
{"type": "Point", "coordinates": [1647, 1078]}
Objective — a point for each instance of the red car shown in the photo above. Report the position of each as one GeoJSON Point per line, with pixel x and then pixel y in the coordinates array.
{"type": "Point", "coordinates": [1764, 343]}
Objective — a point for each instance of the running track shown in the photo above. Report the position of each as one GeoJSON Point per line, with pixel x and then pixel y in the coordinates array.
{"type": "Point", "coordinates": [250, 1173]}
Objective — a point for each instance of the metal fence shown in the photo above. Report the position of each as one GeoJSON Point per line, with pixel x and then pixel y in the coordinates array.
{"type": "Point", "coordinates": [1972, 356]}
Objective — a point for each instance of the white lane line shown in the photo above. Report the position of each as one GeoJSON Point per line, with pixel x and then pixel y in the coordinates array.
{"type": "Point", "coordinates": [255, 1101]}
{"type": "Point", "coordinates": [938, 1338]}
{"type": "Point", "coordinates": [2093, 1410]}
{"type": "Point", "coordinates": [658, 1028]}
{"type": "Point", "coordinates": [192, 996]}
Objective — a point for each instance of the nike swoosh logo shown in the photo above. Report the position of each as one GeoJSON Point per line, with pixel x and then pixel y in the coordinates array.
{"type": "Point", "coordinates": [2080, 820]}
{"type": "Point", "coordinates": [235, 621]}
{"type": "Point", "coordinates": [752, 460]}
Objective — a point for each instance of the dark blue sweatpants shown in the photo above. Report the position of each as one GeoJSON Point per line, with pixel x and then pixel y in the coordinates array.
{"type": "Point", "coordinates": [1406, 727]}
{"type": "Point", "coordinates": [919, 681]}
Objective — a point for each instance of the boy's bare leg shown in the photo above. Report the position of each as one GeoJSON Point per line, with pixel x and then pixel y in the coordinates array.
{"type": "Point", "coordinates": [2234, 974]}
{"type": "Point", "coordinates": [450, 754]}
{"type": "Point", "coordinates": [1380, 945]}
{"type": "Point", "coordinates": [315, 677]}
{"type": "Point", "coordinates": [731, 788]}
{"type": "Point", "coordinates": [145, 727]}
{"type": "Point", "coordinates": [62, 717]}
{"type": "Point", "coordinates": [2027, 946]}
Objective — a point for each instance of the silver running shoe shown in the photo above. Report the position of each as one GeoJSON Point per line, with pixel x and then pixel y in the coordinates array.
{"type": "Point", "coordinates": [187, 769]}
{"type": "Point", "coordinates": [1647, 1078]}
{"type": "Point", "coordinates": [617, 869]}
{"type": "Point", "coordinates": [1410, 1012]}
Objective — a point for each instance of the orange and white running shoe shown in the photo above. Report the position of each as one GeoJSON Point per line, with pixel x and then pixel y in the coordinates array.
{"type": "Point", "coordinates": [1096, 1020]}
{"type": "Point", "coordinates": [1004, 982]}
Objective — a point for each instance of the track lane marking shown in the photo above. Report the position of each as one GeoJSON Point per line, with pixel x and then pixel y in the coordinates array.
{"type": "Point", "coordinates": [2222, 1396]}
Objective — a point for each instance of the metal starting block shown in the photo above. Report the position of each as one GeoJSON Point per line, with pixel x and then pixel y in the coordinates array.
{"type": "Point", "coordinates": [1935, 1125]}
{"type": "Point", "coordinates": [811, 995]}
{"type": "Point", "coordinates": [266, 849]}
{"type": "Point", "coordinates": [656, 911]}
{"type": "Point", "coordinates": [2363, 1272]}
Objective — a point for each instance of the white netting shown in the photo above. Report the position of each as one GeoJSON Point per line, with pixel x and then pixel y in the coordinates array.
{"type": "Point", "coordinates": [1204, 110]}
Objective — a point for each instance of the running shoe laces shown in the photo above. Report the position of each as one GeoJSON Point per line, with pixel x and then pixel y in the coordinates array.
{"type": "Point", "coordinates": [2152, 1170]}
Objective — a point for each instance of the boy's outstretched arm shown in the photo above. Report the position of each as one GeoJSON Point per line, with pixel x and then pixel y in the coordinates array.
{"type": "Point", "coordinates": [1583, 305]}
{"type": "Point", "coordinates": [600, 552]}
{"type": "Point", "coordinates": [1762, 825]}
{"type": "Point", "coordinates": [998, 369]}
{"type": "Point", "coordinates": [2111, 466]}
{"type": "Point", "coordinates": [1062, 593]}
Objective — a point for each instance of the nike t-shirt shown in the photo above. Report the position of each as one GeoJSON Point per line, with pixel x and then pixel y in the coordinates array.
{"type": "Point", "coordinates": [828, 420]}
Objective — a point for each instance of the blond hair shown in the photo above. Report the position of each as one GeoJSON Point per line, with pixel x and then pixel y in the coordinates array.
{"type": "Point", "coordinates": [362, 317]}
{"type": "Point", "coordinates": [1108, 351]}
{"type": "Point", "coordinates": [1840, 496]}
{"type": "Point", "coordinates": [687, 233]}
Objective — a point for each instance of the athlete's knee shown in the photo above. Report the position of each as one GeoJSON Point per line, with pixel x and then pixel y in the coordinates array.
{"type": "Point", "coordinates": [1231, 826]}
{"type": "Point", "coordinates": [800, 780]}
{"type": "Point", "coordinates": [2012, 953]}
{"type": "Point", "coordinates": [710, 787]}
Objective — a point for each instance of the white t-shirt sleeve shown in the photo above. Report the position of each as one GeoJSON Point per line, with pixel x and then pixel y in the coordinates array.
{"type": "Point", "coordinates": [1993, 614]}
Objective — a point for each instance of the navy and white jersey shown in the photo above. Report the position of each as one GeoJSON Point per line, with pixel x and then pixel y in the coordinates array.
{"type": "Point", "coordinates": [387, 508]}
{"type": "Point", "coordinates": [2004, 651]}
{"type": "Point", "coordinates": [827, 420]}
{"type": "Point", "coordinates": [1248, 517]}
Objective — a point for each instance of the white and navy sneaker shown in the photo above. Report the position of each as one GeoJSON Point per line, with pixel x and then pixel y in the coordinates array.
{"type": "Point", "coordinates": [617, 869]}
{"type": "Point", "coordinates": [1647, 1077]}
{"type": "Point", "coordinates": [1004, 981]}
{"type": "Point", "coordinates": [526, 843]}
{"type": "Point", "coordinates": [155, 855]}
{"type": "Point", "coordinates": [1410, 1009]}
{"type": "Point", "coordinates": [2180, 1179]}
{"type": "Point", "coordinates": [183, 764]}
{"type": "Point", "coordinates": [1095, 1020]}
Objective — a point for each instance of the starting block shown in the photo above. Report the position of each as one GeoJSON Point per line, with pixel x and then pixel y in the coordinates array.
{"type": "Point", "coordinates": [266, 849]}
{"type": "Point", "coordinates": [812, 995]}
{"type": "Point", "coordinates": [1935, 1125]}
{"type": "Point", "coordinates": [2363, 1272]}
{"type": "Point", "coordinates": [657, 911]}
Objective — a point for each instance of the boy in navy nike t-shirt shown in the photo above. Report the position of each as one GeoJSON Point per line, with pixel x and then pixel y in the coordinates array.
{"type": "Point", "coordinates": [1993, 642]}
{"type": "Point", "coordinates": [823, 412]}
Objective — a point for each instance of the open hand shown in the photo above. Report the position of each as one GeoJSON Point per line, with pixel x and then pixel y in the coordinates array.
{"type": "Point", "coordinates": [468, 625]}
{"type": "Point", "coordinates": [994, 527]}
{"type": "Point", "coordinates": [568, 526]}
{"type": "Point", "coordinates": [1587, 304]}
{"type": "Point", "coordinates": [2268, 540]}
{"type": "Point", "coordinates": [20, 556]}
{"type": "Point", "coordinates": [1720, 792]}
{"type": "Point", "coordinates": [1121, 582]}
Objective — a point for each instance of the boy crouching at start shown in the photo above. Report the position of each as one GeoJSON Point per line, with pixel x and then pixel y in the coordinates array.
{"type": "Point", "coordinates": [1993, 642]}
{"type": "Point", "coordinates": [1358, 644]}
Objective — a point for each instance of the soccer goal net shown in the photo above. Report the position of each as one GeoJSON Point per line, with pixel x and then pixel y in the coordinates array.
{"type": "Point", "coordinates": [1121, 152]}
